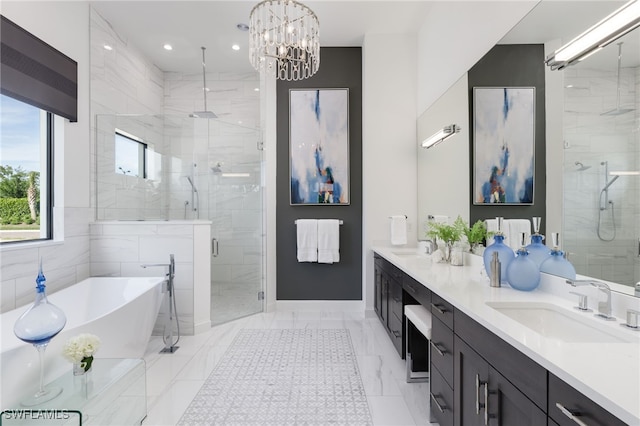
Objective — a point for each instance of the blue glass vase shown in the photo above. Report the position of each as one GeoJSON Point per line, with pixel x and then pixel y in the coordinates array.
{"type": "Point", "coordinates": [523, 272]}
{"type": "Point", "coordinates": [38, 325]}
{"type": "Point", "coordinates": [556, 264]}
{"type": "Point", "coordinates": [538, 252]}
{"type": "Point", "coordinates": [505, 255]}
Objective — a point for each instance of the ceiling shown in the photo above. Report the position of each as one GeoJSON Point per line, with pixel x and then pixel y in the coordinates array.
{"type": "Point", "coordinates": [188, 25]}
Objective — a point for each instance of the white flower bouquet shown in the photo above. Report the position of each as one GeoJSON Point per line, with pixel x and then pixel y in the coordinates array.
{"type": "Point", "coordinates": [80, 349]}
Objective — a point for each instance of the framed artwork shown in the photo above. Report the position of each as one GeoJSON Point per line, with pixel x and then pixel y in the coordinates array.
{"type": "Point", "coordinates": [319, 146]}
{"type": "Point", "coordinates": [503, 145]}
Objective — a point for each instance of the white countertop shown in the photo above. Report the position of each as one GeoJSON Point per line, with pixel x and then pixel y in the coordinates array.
{"type": "Point", "coordinates": [608, 373]}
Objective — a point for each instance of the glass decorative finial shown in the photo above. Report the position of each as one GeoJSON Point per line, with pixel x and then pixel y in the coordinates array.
{"type": "Point", "coordinates": [38, 325]}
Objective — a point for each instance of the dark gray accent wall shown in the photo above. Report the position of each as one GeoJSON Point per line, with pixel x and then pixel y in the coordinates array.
{"type": "Point", "coordinates": [340, 67]}
{"type": "Point", "coordinates": [520, 65]}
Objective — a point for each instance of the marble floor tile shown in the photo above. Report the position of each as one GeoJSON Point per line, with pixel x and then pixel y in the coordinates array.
{"type": "Point", "coordinates": [173, 380]}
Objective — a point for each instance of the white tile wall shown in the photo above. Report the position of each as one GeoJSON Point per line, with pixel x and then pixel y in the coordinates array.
{"type": "Point", "coordinates": [591, 139]}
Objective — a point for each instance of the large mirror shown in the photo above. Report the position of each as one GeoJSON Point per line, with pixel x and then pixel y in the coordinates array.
{"type": "Point", "coordinates": [592, 132]}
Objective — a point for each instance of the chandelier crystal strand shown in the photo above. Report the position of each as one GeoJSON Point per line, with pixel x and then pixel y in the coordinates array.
{"type": "Point", "coordinates": [284, 39]}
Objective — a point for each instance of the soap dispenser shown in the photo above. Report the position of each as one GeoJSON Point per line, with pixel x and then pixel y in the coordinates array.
{"type": "Point", "coordinates": [538, 252]}
{"type": "Point", "coordinates": [523, 272]}
{"type": "Point", "coordinates": [505, 253]}
{"type": "Point", "coordinates": [557, 264]}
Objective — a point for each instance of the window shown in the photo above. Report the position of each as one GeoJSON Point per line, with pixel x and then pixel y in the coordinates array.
{"type": "Point", "coordinates": [26, 171]}
{"type": "Point", "coordinates": [131, 155]}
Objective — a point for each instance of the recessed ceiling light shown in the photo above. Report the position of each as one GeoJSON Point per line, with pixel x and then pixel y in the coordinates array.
{"type": "Point", "coordinates": [242, 27]}
{"type": "Point", "coordinates": [108, 47]}
{"type": "Point", "coordinates": [257, 89]}
{"type": "Point", "coordinates": [235, 47]}
{"type": "Point", "coordinates": [168, 47]}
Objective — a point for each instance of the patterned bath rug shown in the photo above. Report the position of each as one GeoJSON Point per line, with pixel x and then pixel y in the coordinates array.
{"type": "Point", "coordinates": [283, 377]}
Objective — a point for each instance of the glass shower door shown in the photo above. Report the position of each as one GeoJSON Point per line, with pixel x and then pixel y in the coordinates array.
{"type": "Point", "coordinates": [235, 209]}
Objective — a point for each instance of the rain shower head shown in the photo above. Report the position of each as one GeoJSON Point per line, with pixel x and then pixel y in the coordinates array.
{"type": "Point", "coordinates": [581, 167]}
{"type": "Point", "coordinates": [206, 113]}
{"type": "Point", "coordinates": [617, 110]}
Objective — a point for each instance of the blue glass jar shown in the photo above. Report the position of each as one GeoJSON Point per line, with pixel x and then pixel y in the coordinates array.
{"type": "Point", "coordinates": [538, 252]}
{"type": "Point", "coordinates": [523, 272]}
{"type": "Point", "coordinates": [505, 255]}
{"type": "Point", "coordinates": [556, 264]}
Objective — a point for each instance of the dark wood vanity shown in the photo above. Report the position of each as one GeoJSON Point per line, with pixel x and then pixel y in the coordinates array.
{"type": "Point", "coordinates": [476, 377]}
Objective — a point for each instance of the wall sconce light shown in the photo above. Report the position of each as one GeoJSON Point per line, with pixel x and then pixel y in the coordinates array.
{"type": "Point", "coordinates": [440, 135]}
{"type": "Point", "coordinates": [614, 26]}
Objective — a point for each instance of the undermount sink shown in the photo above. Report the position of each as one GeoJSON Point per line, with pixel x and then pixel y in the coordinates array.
{"type": "Point", "coordinates": [558, 323]}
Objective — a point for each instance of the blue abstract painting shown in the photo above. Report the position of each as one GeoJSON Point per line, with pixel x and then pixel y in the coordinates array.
{"type": "Point", "coordinates": [504, 139]}
{"type": "Point", "coordinates": [319, 146]}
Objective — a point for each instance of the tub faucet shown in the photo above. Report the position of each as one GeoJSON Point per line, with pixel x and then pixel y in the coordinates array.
{"type": "Point", "coordinates": [170, 274]}
{"type": "Point", "coordinates": [604, 307]}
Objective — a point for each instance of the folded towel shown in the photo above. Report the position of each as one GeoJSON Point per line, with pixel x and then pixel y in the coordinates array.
{"type": "Point", "coordinates": [516, 228]}
{"type": "Point", "coordinates": [328, 241]}
{"type": "Point", "coordinates": [307, 240]}
{"type": "Point", "coordinates": [398, 230]}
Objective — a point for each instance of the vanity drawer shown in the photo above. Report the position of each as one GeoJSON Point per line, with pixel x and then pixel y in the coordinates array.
{"type": "Point", "coordinates": [441, 400]}
{"type": "Point", "coordinates": [395, 298]}
{"type": "Point", "coordinates": [442, 349]}
{"type": "Point", "coordinates": [395, 332]}
{"type": "Point", "coordinates": [577, 404]}
{"type": "Point", "coordinates": [417, 291]}
{"type": "Point", "coordinates": [442, 310]}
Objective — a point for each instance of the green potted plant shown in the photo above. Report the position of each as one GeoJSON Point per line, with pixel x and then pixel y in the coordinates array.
{"type": "Point", "coordinates": [476, 235]}
{"type": "Point", "coordinates": [449, 234]}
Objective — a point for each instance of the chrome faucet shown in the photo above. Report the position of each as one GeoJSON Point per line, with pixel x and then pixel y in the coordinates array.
{"type": "Point", "coordinates": [170, 274]}
{"type": "Point", "coordinates": [604, 307]}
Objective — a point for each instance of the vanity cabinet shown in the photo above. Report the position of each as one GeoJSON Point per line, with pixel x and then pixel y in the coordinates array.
{"type": "Point", "coordinates": [476, 377]}
{"type": "Point", "coordinates": [442, 374]}
{"type": "Point", "coordinates": [388, 284]}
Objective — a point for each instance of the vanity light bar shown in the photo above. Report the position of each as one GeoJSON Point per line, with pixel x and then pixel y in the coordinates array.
{"type": "Point", "coordinates": [611, 28]}
{"type": "Point", "coordinates": [625, 173]}
{"type": "Point", "coordinates": [440, 135]}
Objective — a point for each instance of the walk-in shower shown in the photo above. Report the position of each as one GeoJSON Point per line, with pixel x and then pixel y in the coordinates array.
{"type": "Point", "coordinates": [198, 170]}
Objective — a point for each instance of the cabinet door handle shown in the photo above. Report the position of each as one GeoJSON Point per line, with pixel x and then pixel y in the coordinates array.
{"type": "Point", "coordinates": [439, 308]}
{"type": "Point", "coordinates": [486, 403]}
{"type": "Point", "coordinates": [440, 407]}
{"type": "Point", "coordinates": [435, 346]}
{"type": "Point", "coordinates": [481, 405]}
{"type": "Point", "coordinates": [396, 333]}
{"type": "Point", "coordinates": [572, 416]}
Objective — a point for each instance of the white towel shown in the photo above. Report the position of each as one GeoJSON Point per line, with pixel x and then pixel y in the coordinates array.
{"type": "Point", "coordinates": [398, 230]}
{"type": "Point", "coordinates": [492, 226]}
{"type": "Point", "coordinates": [328, 241]}
{"type": "Point", "coordinates": [517, 227]}
{"type": "Point", "coordinates": [307, 240]}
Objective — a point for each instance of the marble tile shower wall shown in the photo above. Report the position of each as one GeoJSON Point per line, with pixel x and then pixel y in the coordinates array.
{"type": "Point", "coordinates": [123, 81]}
{"type": "Point", "coordinates": [591, 139]}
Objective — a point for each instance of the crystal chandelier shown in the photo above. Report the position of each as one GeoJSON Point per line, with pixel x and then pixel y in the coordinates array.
{"type": "Point", "coordinates": [284, 39]}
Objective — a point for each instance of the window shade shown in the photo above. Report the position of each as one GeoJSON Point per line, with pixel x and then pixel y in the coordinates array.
{"type": "Point", "coordinates": [35, 73]}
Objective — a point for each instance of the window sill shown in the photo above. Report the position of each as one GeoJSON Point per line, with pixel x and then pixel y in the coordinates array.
{"type": "Point", "coordinates": [29, 245]}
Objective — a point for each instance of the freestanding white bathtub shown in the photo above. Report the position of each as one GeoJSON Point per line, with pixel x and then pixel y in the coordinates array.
{"type": "Point", "coordinates": [120, 311]}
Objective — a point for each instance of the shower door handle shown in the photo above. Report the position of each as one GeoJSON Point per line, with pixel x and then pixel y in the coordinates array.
{"type": "Point", "coordinates": [214, 247]}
